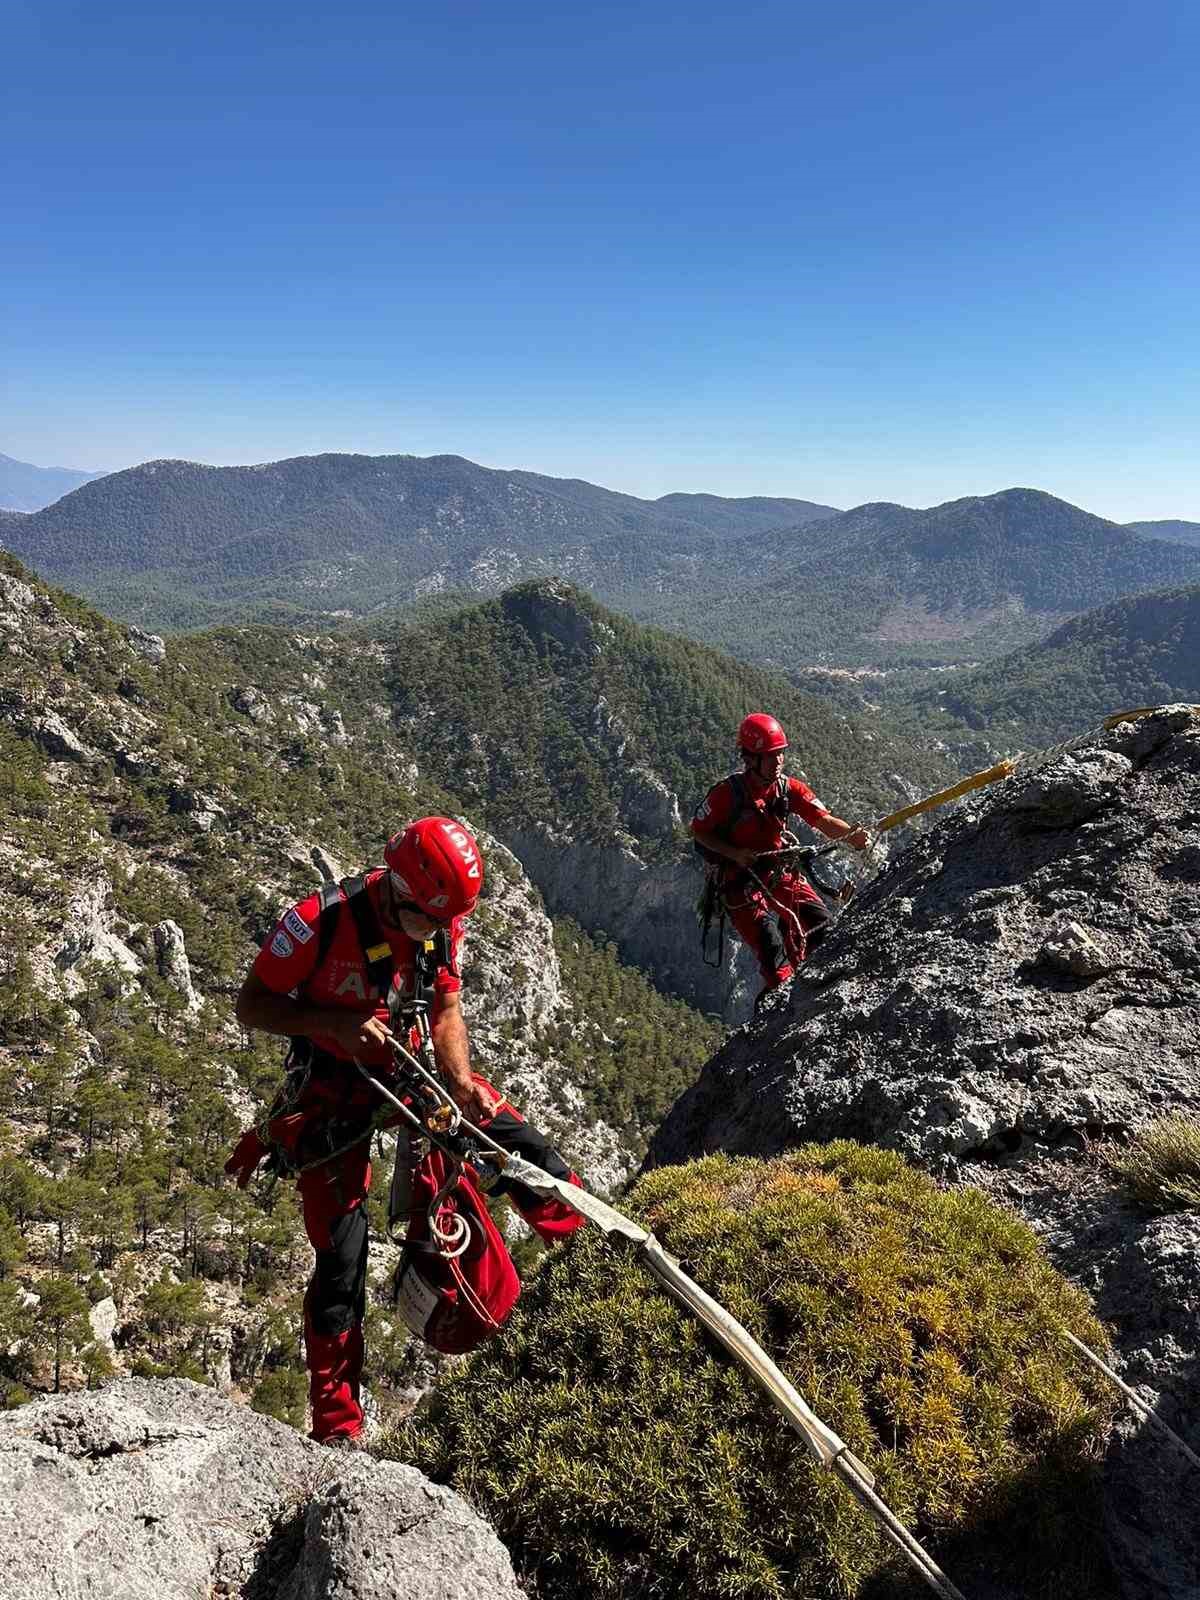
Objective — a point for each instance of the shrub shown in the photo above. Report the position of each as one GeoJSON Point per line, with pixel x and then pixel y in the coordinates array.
{"type": "Point", "coordinates": [618, 1453]}
{"type": "Point", "coordinates": [1161, 1167]}
{"type": "Point", "coordinates": [282, 1392]}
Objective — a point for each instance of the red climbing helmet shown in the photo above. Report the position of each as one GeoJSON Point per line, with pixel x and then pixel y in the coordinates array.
{"type": "Point", "coordinates": [436, 864]}
{"type": "Point", "coordinates": [759, 734]}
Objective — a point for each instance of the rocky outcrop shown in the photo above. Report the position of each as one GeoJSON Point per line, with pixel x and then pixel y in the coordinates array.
{"type": "Point", "coordinates": [163, 1491]}
{"type": "Point", "coordinates": [172, 960]}
{"type": "Point", "coordinates": [59, 741]}
{"type": "Point", "coordinates": [1023, 981]}
{"type": "Point", "coordinates": [645, 907]}
{"type": "Point", "coordinates": [152, 647]}
{"type": "Point", "coordinates": [89, 934]}
{"type": "Point", "coordinates": [549, 612]}
{"type": "Point", "coordinates": [253, 703]}
{"type": "Point", "coordinates": [204, 811]}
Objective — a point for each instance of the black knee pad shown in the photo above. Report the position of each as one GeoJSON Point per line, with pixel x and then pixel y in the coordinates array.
{"type": "Point", "coordinates": [525, 1140]}
{"type": "Point", "coordinates": [337, 1290]}
{"type": "Point", "coordinates": [773, 947]}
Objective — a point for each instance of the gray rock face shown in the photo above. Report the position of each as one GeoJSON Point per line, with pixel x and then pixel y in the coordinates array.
{"type": "Point", "coordinates": [253, 703]}
{"type": "Point", "coordinates": [325, 864]}
{"type": "Point", "coordinates": [58, 741]}
{"type": "Point", "coordinates": [650, 906]}
{"type": "Point", "coordinates": [88, 935]}
{"type": "Point", "coordinates": [1023, 980]}
{"type": "Point", "coordinates": [163, 1491]}
{"type": "Point", "coordinates": [204, 810]}
{"type": "Point", "coordinates": [650, 807]}
{"type": "Point", "coordinates": [150, 646]}
{"type": "Point", "coordinates": [102, 1319]}
{"type": "Point", "coordinates": [172, 958]}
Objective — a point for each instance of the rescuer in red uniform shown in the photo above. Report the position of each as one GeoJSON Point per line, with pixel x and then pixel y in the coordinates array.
{"type": "Point", "coordinates": [334, 975]}
{"type": "Point", "coordinates": [743, 817]}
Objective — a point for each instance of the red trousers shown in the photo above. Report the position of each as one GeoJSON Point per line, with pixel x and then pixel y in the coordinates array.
{"type": "Point", "coordinates": [333, 1198]}
{"type": "Point", "coordinates": [775, 925]}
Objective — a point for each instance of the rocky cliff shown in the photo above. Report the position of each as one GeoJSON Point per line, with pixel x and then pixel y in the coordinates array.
{"type": "Point", "coordinates": [164, 1491]}
{"type": "Point", "coordinates": [1021, 983]}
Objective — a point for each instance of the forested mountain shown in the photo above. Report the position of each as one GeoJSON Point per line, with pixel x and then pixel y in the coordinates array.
{"type": "Point", "coordinates": [176, 544]}
{"type": "Point", "coordinates": [542, 703]}
{"type": "Point", "coordinates": [969, 579]}
{"type": "Point", "coordinates": [157, 809]}
{"type": "Point", "coordinates": [1176, 532]}
{"type": "Point", "coordinates": [1141, 651]}
{"type": "Point", "coordinates": [24, 487]}
{"type": "Point", "coordinates": [587, 740]}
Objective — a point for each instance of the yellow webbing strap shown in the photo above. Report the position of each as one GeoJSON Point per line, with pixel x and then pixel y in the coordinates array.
{"type": "Point", "coordinates": [977, 780]}
{"type": "Point", "coordinates": [1005, 769]}
{"type": "Point", "coordinates": [1140, 711]}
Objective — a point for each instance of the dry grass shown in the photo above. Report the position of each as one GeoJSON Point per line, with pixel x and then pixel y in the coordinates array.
{"type": "Point", "coordinates": [1161, 1167]}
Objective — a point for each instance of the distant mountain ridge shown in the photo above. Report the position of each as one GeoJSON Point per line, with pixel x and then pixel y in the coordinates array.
{"type": "Point", "coordinates": [1139, 651]}
{"type": "Point", "coordinates": [24, 487]}
{"type": "Point", "coordinates": [1173, 529]}
{"type": "Point", "coordinates": [973, 577]}
{"type": "Point", "coordinates": [321, 534]}
{"type": "Point", "coordinates": [785, 584]}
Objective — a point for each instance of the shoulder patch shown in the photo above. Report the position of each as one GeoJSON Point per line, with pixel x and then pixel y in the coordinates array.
{"type": "Point", "coordinates": [295, 924]}
{"type": "Point", "coordinates": [281, 945]}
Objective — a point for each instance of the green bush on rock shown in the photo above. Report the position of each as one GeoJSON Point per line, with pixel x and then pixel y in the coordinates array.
{"type": "Point", "coordinates": [618, 1453]}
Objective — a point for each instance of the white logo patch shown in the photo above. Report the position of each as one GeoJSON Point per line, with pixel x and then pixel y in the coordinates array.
{"type": "Point", "coordinates": [464, 847]}
{"type": "Point", "coordinates": [703, 812]}
{"type": "Point", "coordinates": [281, 945]}
{"type": "Point", "coordinates": [295, 924]}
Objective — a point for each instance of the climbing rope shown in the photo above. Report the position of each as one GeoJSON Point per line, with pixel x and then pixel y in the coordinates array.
{"type": "Point", "coordinates": [1135, 1399]}
{"type": "Point", "coordinates": [823, 1444]}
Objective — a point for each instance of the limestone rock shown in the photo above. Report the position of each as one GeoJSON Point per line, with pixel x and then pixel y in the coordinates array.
{"type": "Point", "coordinates": [161, 1490]}
{"type": "Point", "coordinates": [102, 1319]}
{"type": "Point", "coordinates": [325, 864]}
{"type": "Point", "coordinates": [304, 713]}
{"type": "Point", "coordinates": [608, 885]}
{"type": "Point", "coordinates": [253, 703]}
{"type": "Point", "coordinates": [204, 810]}
{"type": "Point", "coordinates": [58, 741]}
{"type": "Point", "coordinates": [172, 960]}
{"type": "Point", "coordinates": [1073, 788]}
{"type": "Point", "coordinates": [1072, 949]}
{"type": "Point", "coordinates": [150, 646]}
{"type": "Point", "coordinates": [649, 807]}
{"type": "Point", "coordinates": [88, 934]}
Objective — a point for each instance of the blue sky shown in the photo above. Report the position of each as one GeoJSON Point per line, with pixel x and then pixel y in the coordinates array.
{"type": "Point", "coordinates": [902, 252]}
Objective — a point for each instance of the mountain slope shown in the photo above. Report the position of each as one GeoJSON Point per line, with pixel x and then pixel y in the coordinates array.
{"type": "Point", "coordinates": [158, 807]}
{"type": "Point", "coordinates": [1141, 651]}
{"type": "Point", "coordinates": [175, 543]}
{"type": "Point", "coordinates": [586, 741]}
{"type": "Point", "coordinates": [970, 578]}
{"type": "Point", "coordinates": [1177, 532]}
{"type": "Point", "coordinates": [24, 487]}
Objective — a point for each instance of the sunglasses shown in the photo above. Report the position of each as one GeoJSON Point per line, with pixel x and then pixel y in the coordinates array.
{"type": "Point", "coordinates": [415, 910]}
